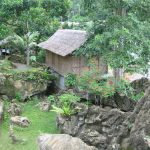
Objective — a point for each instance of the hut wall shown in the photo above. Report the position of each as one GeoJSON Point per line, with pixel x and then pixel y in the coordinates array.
{"type": "Point", "coordinates": [79, 65]}
{"type": "Point", "coordinates": [53, 61]}
{"type": "Point", "coordinates": [71, 64]}
{"type": "Point", "coordinates": [60, 64]}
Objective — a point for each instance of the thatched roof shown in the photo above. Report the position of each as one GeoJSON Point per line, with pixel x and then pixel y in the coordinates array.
{"type": "Point", "coordinates": [65, 41]}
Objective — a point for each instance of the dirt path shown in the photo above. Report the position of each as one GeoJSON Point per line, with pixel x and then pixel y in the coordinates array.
{"type": "Point", "coordinates": [21, 67]}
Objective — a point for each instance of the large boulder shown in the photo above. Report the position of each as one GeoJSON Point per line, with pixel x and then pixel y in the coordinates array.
{"type": "Point", "coordinates": [14, 109]}
{"type": "Point", "coordinates": [140, 85]}
{"type": "Point", "coordinates": [20, 88]}
{"type": "Point", "coordinates": [20, 121]}
{"type": "Point", "coordinates": [135, 131]}
{"type": "Point", "coordinates": [62, 142]}
{"type": "Point", "coordinates": [44, 106]}
{"type": "Point", "coordinates": [28, 89]}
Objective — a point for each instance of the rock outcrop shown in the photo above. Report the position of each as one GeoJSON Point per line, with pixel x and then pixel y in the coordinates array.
{"type": "Point", "coordinates": [111, 129]}
{"type": "Point", "coordinates": [135, 131]}
{"type": "Point", "coordinates": [20, 87]}
{"type": "Point", "coordinates": [61, 142]}
{"type": "Point", "coordinates": [96, 126]}
{"type": "Point", "coordinates": [140, 85]}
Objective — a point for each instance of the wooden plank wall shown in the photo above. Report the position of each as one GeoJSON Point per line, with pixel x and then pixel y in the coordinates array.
{"type": "Point", "coordinates": [71, 64]}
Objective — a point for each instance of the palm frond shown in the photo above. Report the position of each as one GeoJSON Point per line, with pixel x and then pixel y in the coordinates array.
{"type": "Point", "coordinates": [32, 37]}
{"type": "Point", "coordinates": [33, 44]}
{"type": "Point", "coordinates": [19, 42]}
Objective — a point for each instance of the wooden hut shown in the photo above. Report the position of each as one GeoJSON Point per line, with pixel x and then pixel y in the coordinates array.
{"type": "Point", "coordinates": [59, 48]}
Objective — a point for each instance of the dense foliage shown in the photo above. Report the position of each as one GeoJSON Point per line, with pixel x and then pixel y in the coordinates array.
{"type": "Point", "coordinates": [92, 82]}
{"type": "Point", "coordinates": [70, 80]}
{"type": "Point", "coordinates": [22, 16]}
{"type": "Point", "coordinates": [117, 28]}
{"type": "Point", "coordinates": [31, 74]}
{"type": "Point", "coordinates": [121, 28]}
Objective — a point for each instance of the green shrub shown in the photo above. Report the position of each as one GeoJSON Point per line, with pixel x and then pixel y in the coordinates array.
{"type": "Point", "coordinates": [5, 66]}
{"type": "Point", "coordinates": [65, 111]}
{"type": "Point", "coordinates": [93, 83]}
{"type": "Point", "coordinates": [52, 99]}
{"type": "Point", "coordinates": [65, 105]}
{"type": "Point", "coordinates": [41, 56]}
{"type": "Point", "coordinates": [18, 96]}
{"type": "Point", "coordinates": [70, 80]}
{"type": "Point", "coordinates": [68, 99]}
{"type": "Point", "coordinates": [124, 88]}
{"type": "Point", "coordinates": [38, 75]}
{"type": "Point", "coordinates": [137, 97]}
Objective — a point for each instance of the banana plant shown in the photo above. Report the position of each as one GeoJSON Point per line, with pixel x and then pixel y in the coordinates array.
{"type": "Point", "coordinates": [26, 43]}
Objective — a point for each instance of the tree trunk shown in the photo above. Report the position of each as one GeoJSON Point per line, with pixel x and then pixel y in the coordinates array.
{"type": "Point", "coordinates": [28, 57]}
{"type": "Point", "coordinates": [28, 49]}
{"type": "Point", "coordinates": [118, 73]}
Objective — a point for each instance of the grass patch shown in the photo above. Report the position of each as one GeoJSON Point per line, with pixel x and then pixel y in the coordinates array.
{"type": "Point", "coordinates": [5, 65]}
{"type": "Point", "coordinates": [41, 122]}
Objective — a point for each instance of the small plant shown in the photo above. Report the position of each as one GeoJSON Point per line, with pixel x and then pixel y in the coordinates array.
{"type": "Point", "coordinates": [18, 96]}
{"type": "Point", "coordinates": [137, 97]}
{"type": "Point", "coordinates": [52, 100]}
{"type": "Point", "coordinates": [38, 75]}
{"type": "Point", "coordinates": [65, 106]}
{"type": "Point", "coordinates": [65, 111]}
{"type": "Point", "coordinates": [68, 99]}
{"type": "Point", "coordinates": [31, 77]}
{"type": "Point", "coordinates": [124, 88]}
{"type": "Point", "coordinates": [33, 58]}
{"type": "Point", "coordinates": [70, 80]}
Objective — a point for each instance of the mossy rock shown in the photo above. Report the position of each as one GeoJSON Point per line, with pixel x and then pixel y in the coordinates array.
{"type": "Point", "coordinates": [25, 83]}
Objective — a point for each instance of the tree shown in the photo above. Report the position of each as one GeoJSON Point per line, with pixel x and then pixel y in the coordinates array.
{"type": "Point", "coordinates": [120, 33]}
{"type": "Point", "coordinates": [40, 14]}
{"type": "Point", "coordinates": [27, 16]}
{"type": "Point", "coordinates": [26, 43]}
